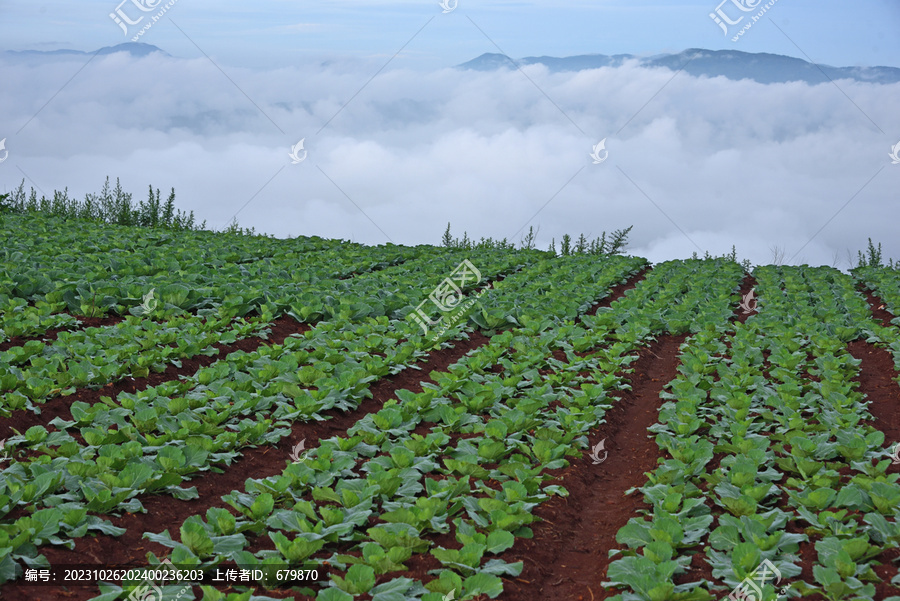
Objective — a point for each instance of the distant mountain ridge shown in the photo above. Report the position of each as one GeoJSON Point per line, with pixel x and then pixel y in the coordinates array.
{"type": "Point", "coordinates": [132, 48]}
{"type": "Point", "coordinates": [733, 64]}
{"type": "Point", "coordinates": [760, 67]}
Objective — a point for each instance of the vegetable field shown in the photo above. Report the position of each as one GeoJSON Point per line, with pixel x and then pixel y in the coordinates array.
{"type": "Point", "coordinates": [221, 417]}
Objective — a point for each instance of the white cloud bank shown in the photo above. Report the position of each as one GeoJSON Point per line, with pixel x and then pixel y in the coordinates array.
{"type": "Point", "coordinates": [740, 163]}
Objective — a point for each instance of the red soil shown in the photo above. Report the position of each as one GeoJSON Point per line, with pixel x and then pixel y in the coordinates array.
{"type": "Point", "coordinates": [567, 558]}
{"type": "Point", "coordinates": [59, 406]}
{"type": "Point", "coordinates": [164, 512]}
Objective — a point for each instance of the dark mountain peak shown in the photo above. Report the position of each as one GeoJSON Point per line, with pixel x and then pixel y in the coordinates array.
{"type": "Point", "coordinates": [761, 67]}
{"type": "Point", "coordinates": [133, 48]}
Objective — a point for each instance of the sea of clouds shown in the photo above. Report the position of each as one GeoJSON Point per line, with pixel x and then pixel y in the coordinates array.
{"type": "Point", "coordinates": [694, 164]}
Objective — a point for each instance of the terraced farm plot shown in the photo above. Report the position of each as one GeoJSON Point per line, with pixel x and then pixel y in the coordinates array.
{"type": "Point", "coordinates": [269, 419]}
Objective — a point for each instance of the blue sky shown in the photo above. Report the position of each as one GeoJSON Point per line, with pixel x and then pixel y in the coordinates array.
{"type": "Point", "coordinates": [266, 33]}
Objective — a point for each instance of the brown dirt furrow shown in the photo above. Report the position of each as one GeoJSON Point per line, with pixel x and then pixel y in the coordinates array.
{"type": "Point", "coordinates": [618, 291]}
{"type": "Point", "coordinates": [878, 381]}
{"type": "Point", "coordinates": [568, 556]}
{"type": "Point", "coordinates": [886, 571]}
{"type": "Point", "coordinates": [879, 309]}
{"type": "Point", "coordinates": [878, 375]}
{"type": "Point", "coordinates": [281, 328]}
{"type": "Point", "coordinates": [166, 513]}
